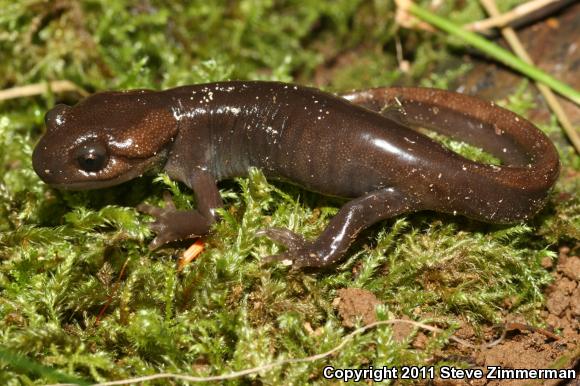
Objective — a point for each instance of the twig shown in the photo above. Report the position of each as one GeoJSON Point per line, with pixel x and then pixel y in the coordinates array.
{"type": "Point", "coordinates": [491, 49]}
{"type": "Point", "coordinates": [501, 20]}
{"type": "Point", "coordinates": [190, 254]}
{"type": "Point", "coordinates": [55, 86]}
{"type": "Point", "coordinates": [527, 327]}
{"type": "Point", "coordinates": [510, 35]}
{"type": "Point", "coordinates": [312, 358]}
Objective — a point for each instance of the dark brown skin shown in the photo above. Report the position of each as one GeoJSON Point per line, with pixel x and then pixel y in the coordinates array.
{"type": "Point", "coordinates": [360, 146]}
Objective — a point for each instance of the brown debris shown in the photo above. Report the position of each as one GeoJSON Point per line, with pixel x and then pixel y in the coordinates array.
{"type": "Point", "coordinates": [354, 304]}
{"type": "Point", "coordinates": [571, 268]}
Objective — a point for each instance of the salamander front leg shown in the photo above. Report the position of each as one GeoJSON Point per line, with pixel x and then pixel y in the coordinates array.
{"type": "Point", "coordinates": [172, 224]}
{"type": "Point", "coordinates": [342, 231]}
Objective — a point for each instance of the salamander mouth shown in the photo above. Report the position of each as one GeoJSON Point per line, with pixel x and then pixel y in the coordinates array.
{"type": "Point", "coordinates": [136, 170]}
{"type": "Point", "coordinates": [89, 185]}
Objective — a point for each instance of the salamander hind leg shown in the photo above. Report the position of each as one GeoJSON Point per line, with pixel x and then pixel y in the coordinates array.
{"type": "Point", "coordinates": [343, 229]}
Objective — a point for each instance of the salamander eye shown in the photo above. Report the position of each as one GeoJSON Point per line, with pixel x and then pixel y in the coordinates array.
{"type": "Point", "coordinates": [92, 157]}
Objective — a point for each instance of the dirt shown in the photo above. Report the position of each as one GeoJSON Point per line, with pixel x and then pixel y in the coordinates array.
{"type": "Point", "coordinates": [563, 296]}
{"type": "Point", "coordinates": [354, 304]}
{"type": "Point", "coordinates": [557, 345]}
{"type": "Point", "coordinates": [533, 349]}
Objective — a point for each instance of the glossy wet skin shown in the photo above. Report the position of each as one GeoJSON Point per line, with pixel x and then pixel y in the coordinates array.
{"type": "Point", "coordinates": [355, 146]}
{"type": "Point", "coordinates": [102, 141]}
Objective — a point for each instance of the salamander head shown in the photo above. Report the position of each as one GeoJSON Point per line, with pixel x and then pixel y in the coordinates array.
{"type": "Point", "coordinates": [106, 139]}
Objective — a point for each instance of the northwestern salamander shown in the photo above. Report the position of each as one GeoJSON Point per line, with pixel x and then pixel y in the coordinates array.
{"type": "Point", "coordinates": [355, 146]}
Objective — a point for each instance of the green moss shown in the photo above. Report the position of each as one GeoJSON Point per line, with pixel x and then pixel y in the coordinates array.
{"type": "Point", "coordinates": [81, 294]}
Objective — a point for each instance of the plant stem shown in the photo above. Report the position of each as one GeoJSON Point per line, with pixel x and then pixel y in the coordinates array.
{"type": "Point", "coordinates": [495, 52]}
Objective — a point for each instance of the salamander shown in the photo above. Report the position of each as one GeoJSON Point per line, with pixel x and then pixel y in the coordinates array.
{"type": "Point", "coordinates": [364, 146]}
